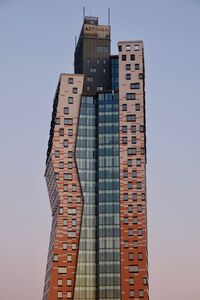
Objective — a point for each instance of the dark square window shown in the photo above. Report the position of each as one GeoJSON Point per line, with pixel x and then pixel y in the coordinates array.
{"type": "Point", "coordinates": [135, 85]}
{"type": "Point", "coordinates": [61, 131]}
{"type": "Point", "coordinates": [137, 67]}
{"type": "Point", "coordinates": [124, 107]}
{"type": "Point", "coordinates": [134, 174]}
{"type": "Point", "coordinates": [70, 80]}
{"type": "Point", "coordinates": [125, 197]}
{"type": "Point", "coordinates": [141, 128]}
{"type": "Point", "coordinates": [124, 140]}
{"type": "Point", "coordinates": [131, 118]}
{"type": "Point", "coordinates": [124, 129]}
{"type": "Point", "coordinates": [130, 162]}
{"type": "Point", "coordinates": [70, 100]}
{"type": "Point", "coordinates": [68, 121]}
{"type": "Point", "coordinates": [133, 140]}
{"type": "Point", "coordinates": [57, 121]}
{"type": "Point", "coordinates": [141, 76]}
{"type": "Point", "coordinates": [65, 143]}
{"type": "Point", "coordinates": [132, 57]}
{"type": "Point", "coordinates": [133, 128]}
{"type": "Point", "coordinates": [130, 96]}
{"type": "Point", "coordinates": [131, 151]}
{"type": "Point", "coordinates": [128, 76]}
{"type": "Point", "coordinates": [123, 57]}
{"type": "Point", "coordinates": [134, 196]}
{"type": "Point", "coordinates": [66, 110]}
{"type": "Point", "coordinates": [128, 66]}
{"type": "Point", "coordinates": [120, 48]}
{"type": "Point", "coordinates": [137, 107]}
{"type": "Point", "coordinates": [75, 90]}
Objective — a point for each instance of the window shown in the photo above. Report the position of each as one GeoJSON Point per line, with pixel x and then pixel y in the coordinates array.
{"type": "Point", "coordinates": [104, 61]}
{"type": "Point", "coordinates": [135, 244]}
{"type": "Point", "coordinates": [139, 208]}
{"type": "Point", "coordinates": [125, 220]}
{"type": "Point", "coordinates": [134, 196]}
{"type": "Point", "coordinates": [143, 196]}
{"type": "Point", "coordinates": [130, 256]}
{"type": "Point", "coordinates": [130, 208]}
{"type": "Point", "coordinates": [133, 128]}
{"type": "Point", "coordinates": [57, 153]}
{"type": "Point", "coordinates": [128, 66]}
{"type": "Point", "coordinates": [89, 79]}
{"type": "Point", "coordinates": [56, 176]}
{"type": "Point", "coordinates": [99, 88]}
{"type": "Point", "coordinates": [125, 173]}
{"type": "Point", "coordinates": [73, 246]}
{"type": "Point", "coordinates": [64, 222]}
{"type": "Point", "coordinates": [132, 294]}
{"type": "Point", "coordinates": [70, 80]}
{"type": "Point", "coordinates": [124, 107]}
{"type": "Point", "coordinates": [130, 162]}
{"type": "Point", "coordinates": [137, 107]}
{"type": "Point", "coordinates": [132, 57]}
{"type": "Point", "coordinates": [70, 132]}
{"type": "Point", "coordinates": [60, 295]}
{"type": "Point", "coordinates": [140, 76]}
{"type": "Point", "coordinates": [140, 256]}
{"type": "Point", "coordinates": [142, 151]}
{"type": "Point", "coordinates": [75, 90]}
{"type": "Point", "coordinates": [125, 197]}
{"type": "Point", "coordinates": [68, 176]}
{"type": "Point", "coordinates": [69, 258]}
{"type": "Point", "coordinates": [120, 48]}
{"type": "Point", "coordinates": [133, 269]}
{"type": "Point", "coordinates": [102, 49]}
{"type": "Point", "coordinates": [130, 232]}
{"type": "Point", "coordinates": [145, 280]}
{"type": "Point", "coordinates": [139, 231]}
{"type": "Point", "coordinates": [61, 131]}
{"type": "Point", "coordinates": [78, 199]}
{"type": "Point", "coordinates": [124, 129]}
{"type": "Point", "coordinates": [69, 199]}
{"type": "Point", "coordinates": [131, 151]}
{"type": "Point", "coordinates": [134, 174]}
{"type": "Point", "coordinates": [93, 70]}
{"type": "Point", "coordinates": [70, 165]}
{"type": "Point", "coordinates": [124, 140]}
{"type": "Point", "coordinates": [69, 295]}
{"type": "Point", "coordinates": [130, 185]}
{"type": "Point", "coordinates": [135, 85]}
{"type": "Point", "coordinates": [71, 211]}
{"type": "Point", "coordinates": [89, 60]}
{"type": "Point", "coordinates": [74, 188]}
{"type": "Point", "coordinates": [141, 128]}
{"type": "Point", "coordinates": [139, 185]}
{"type": "Point", "coordinates": [70, 100]}
{"type": "Point", "coordinates": [71, 234]}
{"type": "Point", "coordinates": [57, 121]}
{"type": "Point", "coordinates": [60, 282]}
{"type": "Point", "coordinates": [123, 57]}
{"type": "Point", "coordinates": [66, 111]}
{"type": "Point", "coordinates": [55, 257]}
{"type": "Point", "coordinates": [62, 270]}
{"type": "Point", "coordinates": [141, 294]}
{"type": "Point", "coordinates": [61, 210]}
{"type": "Point", "coordinates": [104, 70]}
{"type": "Point", "coordinates": [74, 223]}
{"type": "Point", "coordinates": [133, 140]}
{"type": "Point", "coordinates": [88, 88]}
{"type": "Point", "coordinates": [64, 246]}
{"type": "Point", "coordinates": [135, 220]}
{"type": "Point", "coordinates": [65, 187]}
{"type": "Point", "coordinates": [131, 281]}
{"type": "Point", "coordinates": [136, 47]}
{"type": "Point", "coordinates": [137, 67]}
{"type": "Point", "coordinates": [69, 282]}
{"type": "Point", "coordinates": [131, 118]}
{"type": "Point", "coordinates": [65, 143]}
{"type": "Point", "coordinates": [138, 162]}
{"type": "Point", "coordinates": [61, 165]}
{"type": "Point", "coordinates": [128, 76]}
{"type": "Point", "coordinates": [126, 244]}
{"type": "Point", "coordinates": [130, 96]}
{"type": "Point", "coordinates": [70, 154]}
{"type": "Point", "coordinates": [128, 47]}
{"type": "Point", "coordinates": [68, 121]}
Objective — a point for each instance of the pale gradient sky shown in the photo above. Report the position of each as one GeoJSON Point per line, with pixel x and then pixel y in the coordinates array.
{"type": "Point", "coordinates": [36, 45]}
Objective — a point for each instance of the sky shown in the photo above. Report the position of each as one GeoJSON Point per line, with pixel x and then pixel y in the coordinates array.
{"type": "Point", "coordinates": [36, 45]}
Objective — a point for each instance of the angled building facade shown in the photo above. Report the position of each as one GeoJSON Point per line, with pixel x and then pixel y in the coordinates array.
{"type": "Point", "coordinates": [96, 174]}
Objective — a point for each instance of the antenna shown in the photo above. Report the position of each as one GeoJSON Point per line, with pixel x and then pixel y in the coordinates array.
{"type": "Point", "coordinates": [83, 13]}
{"type": "Point", "coordinates": [109, 16]}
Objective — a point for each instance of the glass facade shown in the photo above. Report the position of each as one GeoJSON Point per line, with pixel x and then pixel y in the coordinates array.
{"type": "Point", "coordinates": [114, 72]}
{"type": "Point", "coordinates": [85, 287]}
{"type": "Point", "coordinates": [108, 205]}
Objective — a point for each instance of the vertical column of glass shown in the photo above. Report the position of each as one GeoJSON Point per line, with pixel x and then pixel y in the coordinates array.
{"type": "Point", "coordinates": [85, 287]}
{"type": "Point", "coordinates": [108, 204]}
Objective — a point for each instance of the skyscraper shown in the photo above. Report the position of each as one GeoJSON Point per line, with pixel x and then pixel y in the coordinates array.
{"type": "Point", "coordinates": [96, 174]}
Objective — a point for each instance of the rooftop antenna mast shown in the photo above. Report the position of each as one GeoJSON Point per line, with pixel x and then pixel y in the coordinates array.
{"type": "Point", "coordinates": [83, 13]}
{"type": "Point", "coordinates": [109, 16]}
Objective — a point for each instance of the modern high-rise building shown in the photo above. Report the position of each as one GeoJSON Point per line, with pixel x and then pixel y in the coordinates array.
{"type": "Point", "coordinates": [96, 174]}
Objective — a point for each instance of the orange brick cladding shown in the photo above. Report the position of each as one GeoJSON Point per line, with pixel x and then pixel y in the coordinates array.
{"type": "Point", "coordinates": [133, 215]}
